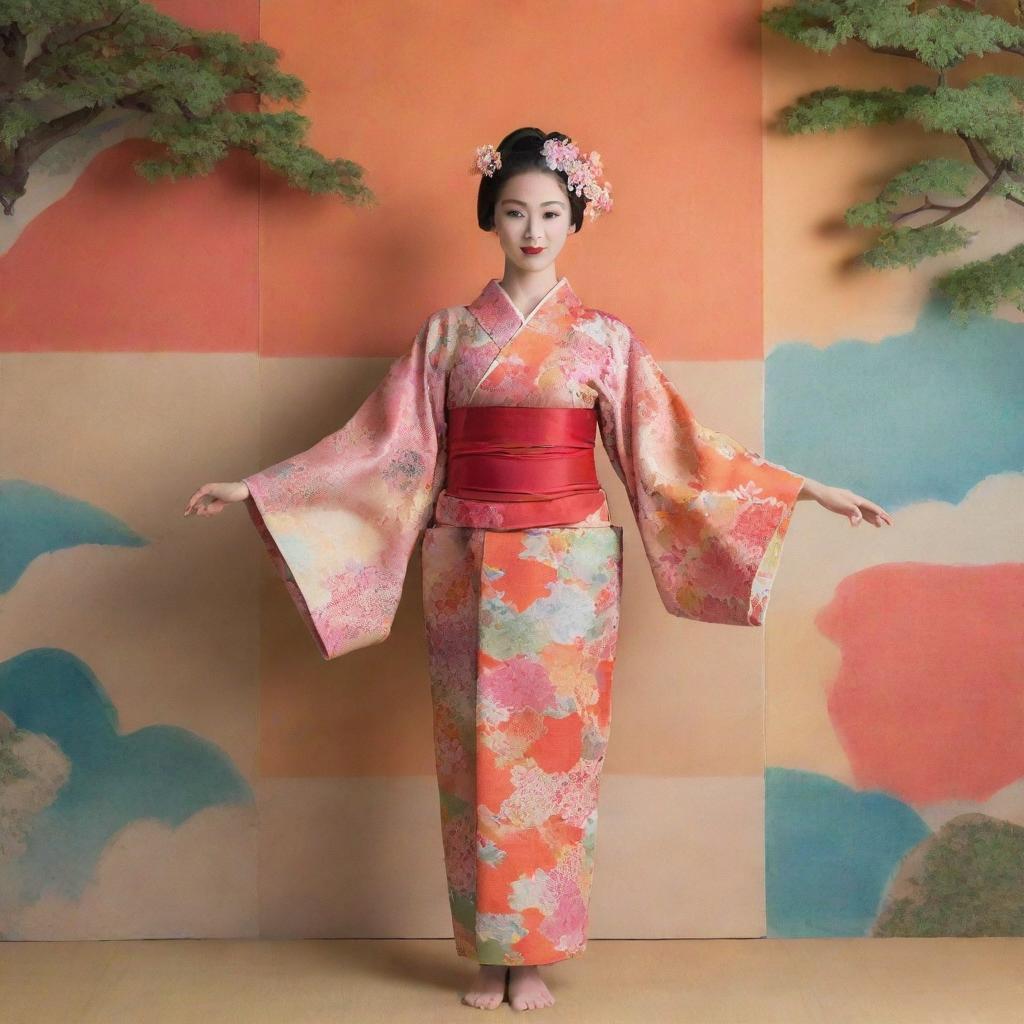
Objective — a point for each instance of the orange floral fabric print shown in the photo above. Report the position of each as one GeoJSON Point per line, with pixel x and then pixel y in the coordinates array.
{"type": "Point", "coordinates": [522, 628]}
{"type": "Point", "coordinates": [712, 514]}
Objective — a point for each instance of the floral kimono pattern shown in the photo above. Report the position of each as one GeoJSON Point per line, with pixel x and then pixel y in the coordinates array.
{"type": "Point", "coordinates": [521, 598]}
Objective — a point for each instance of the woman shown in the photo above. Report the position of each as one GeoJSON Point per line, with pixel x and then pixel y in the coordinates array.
{"type": "Point", "coordinates": [481, 440]}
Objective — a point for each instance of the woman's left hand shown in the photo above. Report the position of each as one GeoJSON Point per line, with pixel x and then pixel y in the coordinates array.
{"type": "Point", "coordinates": [846, 503]}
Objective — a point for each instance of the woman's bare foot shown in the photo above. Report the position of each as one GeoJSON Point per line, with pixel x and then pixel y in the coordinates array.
{"type": "Point", "coordinates": [526, 989]}
{"type": "Point", "coordinates": [488, 990]}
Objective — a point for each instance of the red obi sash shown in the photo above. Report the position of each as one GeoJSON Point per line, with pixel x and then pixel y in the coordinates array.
{"type": "Point", "coordinates": [520, 453]}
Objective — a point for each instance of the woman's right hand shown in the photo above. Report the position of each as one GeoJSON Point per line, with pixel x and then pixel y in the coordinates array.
{"type": "Point", "coordinates": [211, 498]}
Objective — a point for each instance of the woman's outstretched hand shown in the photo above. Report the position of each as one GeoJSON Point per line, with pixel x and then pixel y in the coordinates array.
{"type": "Point", "coordinates": [211, 498]}
{"type": "Point", "coordinates": [846, 503]}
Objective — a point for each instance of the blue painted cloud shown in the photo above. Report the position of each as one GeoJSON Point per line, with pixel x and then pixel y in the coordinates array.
{"type": "Point", "coordinates": [162, 772]}
{"type": "Point", "coordinates": [831, 852]}
{"type": "Point", "coordinates": [919, 416]}
{"type": "Point", "coordinates": [35, 520]}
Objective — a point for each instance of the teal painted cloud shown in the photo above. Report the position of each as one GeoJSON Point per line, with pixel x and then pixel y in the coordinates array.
{"type": "Point", "coordinates": [919, 416]}
{"type": "Point", "coordinates": [35, 520]}
{"type": "Point", "coordinates": [160, 771]}
{"type": "Point", "coordinates": [830, 853]}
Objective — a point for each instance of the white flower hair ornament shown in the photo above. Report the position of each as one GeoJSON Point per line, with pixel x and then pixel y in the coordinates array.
{"type": "Point", "coordinates": [560, 155]}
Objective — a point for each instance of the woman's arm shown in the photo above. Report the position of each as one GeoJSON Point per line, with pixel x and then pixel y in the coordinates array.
{"type": "Point", "coordinates": [844, 503]}
{"type": "Point", "coordinates": [211, 498]}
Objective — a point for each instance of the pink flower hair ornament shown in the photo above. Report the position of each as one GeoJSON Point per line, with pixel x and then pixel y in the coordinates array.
{"type": "Point", "coordinates": [559, 155]}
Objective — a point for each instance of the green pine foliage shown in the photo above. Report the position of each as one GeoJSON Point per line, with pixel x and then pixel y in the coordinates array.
{"type": "Point", "coordinates": [901, 247]}
{"type": "Point", "coordinates": [936, 175]}
{"type": "Point", "coordinates": [985, 116]}
{"type": "Point", "coordinates": [980, 286]}
{"type": "Point", "coordinates": [63, 63]}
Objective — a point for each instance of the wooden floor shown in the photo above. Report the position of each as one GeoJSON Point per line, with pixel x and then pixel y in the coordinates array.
{"type": "Point", "coordinates": [732, 981]}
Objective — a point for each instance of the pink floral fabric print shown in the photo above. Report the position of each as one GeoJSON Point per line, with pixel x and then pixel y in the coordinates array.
{"type": "Point", "coordinates": [340, 520]}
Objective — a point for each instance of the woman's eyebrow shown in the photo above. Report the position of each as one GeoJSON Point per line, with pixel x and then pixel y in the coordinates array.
{"type": "Point", "coordinates": [550, 202]}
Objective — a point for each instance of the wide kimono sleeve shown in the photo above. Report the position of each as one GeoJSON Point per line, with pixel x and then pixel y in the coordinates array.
{"type": "Point", "coordinates": [341, 520]}
{"type": "Point", "coordinates": [712, 514]}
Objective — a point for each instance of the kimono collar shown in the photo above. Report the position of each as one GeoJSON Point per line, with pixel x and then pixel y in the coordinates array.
{"type": "Point", "coordinates": [499, 316]}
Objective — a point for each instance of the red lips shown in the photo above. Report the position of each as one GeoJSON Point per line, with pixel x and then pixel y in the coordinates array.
{"type": "Point", "coordinates": [531, 250]}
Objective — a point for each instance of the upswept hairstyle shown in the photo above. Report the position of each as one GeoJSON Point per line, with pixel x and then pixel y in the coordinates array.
{"type": "Point", "coordinates": [520, 151]}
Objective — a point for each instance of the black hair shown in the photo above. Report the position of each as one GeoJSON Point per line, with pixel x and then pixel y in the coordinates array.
{"type": "Point", "coordinates": [520, 151]}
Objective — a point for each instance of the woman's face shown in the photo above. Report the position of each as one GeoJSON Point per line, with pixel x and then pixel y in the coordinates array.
{"type": "Point", "coordinates": [532, 211]}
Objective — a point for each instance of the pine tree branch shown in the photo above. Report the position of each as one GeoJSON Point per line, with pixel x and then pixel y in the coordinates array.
{"type": "Point", "coordinates": [14, 73]}
{"type": "Point", "coordinates": [99, 55]}
{"type": "Point", "coordinates": [892, 51]}
{"type": "Point", "coordinates": [71, 34]}
{"type": "Point", "coordinates": [976, 150]}
{"type": "Point", "coordinates": [185, 111]}
{"type": "Point", "coordinates": [955, 211]}
{"type": "Point", "coordinates": [980, 286]}
{"type": "Point", "coordinates": [901, 51]}
{"type": "Point", "coordinates": [986, 115]}
{"type": "Point", "coordinates": [141, 100]}
{"type": "Point", "coordinates": [976, 153]}
{"type": "Point", "coordinates": [895, 218]}
{"type": "Point", "coordinates": [50, 133]}
{"type": "Point", "coordinates": [14, 169]}
{"type": "Point", "coordinates": [12, 52]}
{"type": "Point", "coordinates": [939, 38]}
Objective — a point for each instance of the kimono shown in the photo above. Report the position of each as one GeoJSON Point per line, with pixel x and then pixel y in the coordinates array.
{"type": "Point", "coordinates": [521, 597]}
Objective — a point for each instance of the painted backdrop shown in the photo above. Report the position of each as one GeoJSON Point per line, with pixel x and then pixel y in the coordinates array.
{"type": "Point", "coordinates": [175, 757]}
